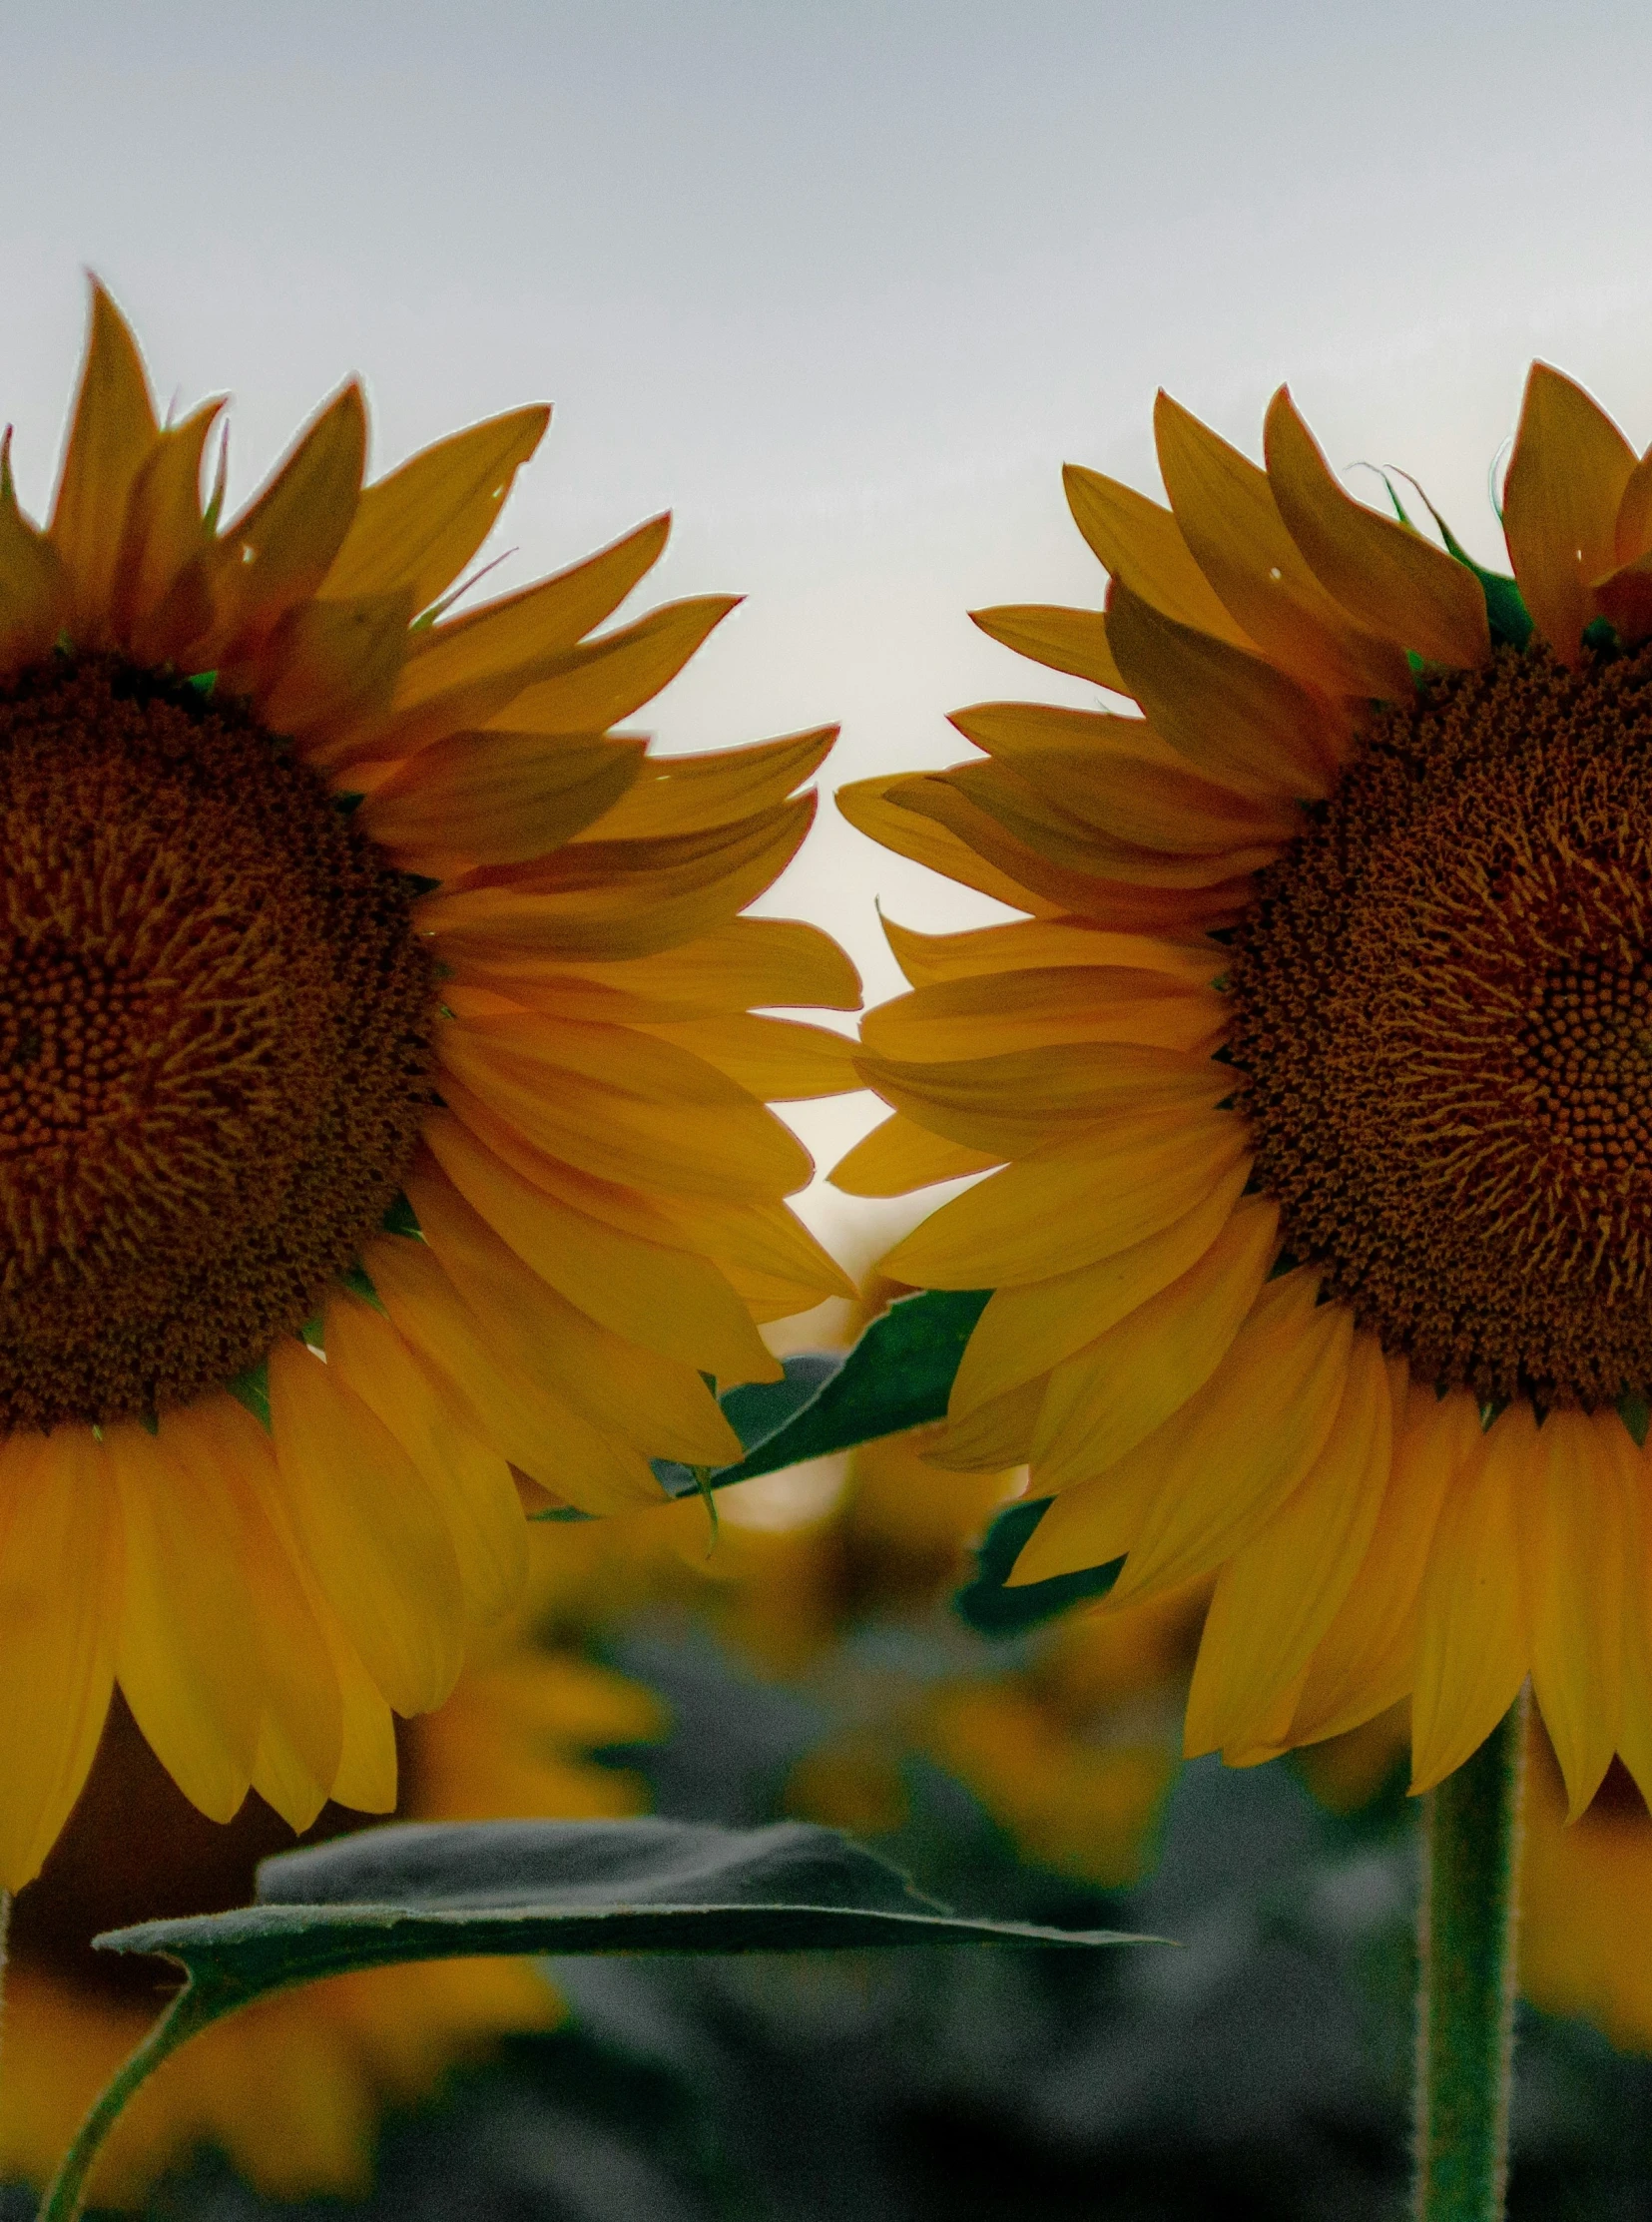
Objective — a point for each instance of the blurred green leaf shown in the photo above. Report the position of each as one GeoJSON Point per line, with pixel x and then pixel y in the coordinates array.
{"type": "Point", "coordinates": [991, 1608]}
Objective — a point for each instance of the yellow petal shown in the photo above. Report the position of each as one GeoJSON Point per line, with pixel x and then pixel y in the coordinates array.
{"type": "Point", "coordinates": [1230, 521]}
{"type": "Point", "coordinates": [1036, 1009]}
{"type": "Point", "coordinates": [1388, 578]}
{"type": "Point", "coordinates": [1248, 1438]}
{"type": "Point", "coordinates": [34, 590]}
{"type": "Point", "coordinates": [743, 962]}
{"type": "Point", "coordinates": [779, 1060]}
{"type": "Point", "coordinates": [1017, 1102]}
{"type": "Point", "coordinates": [664, 1299]}
{"type": "Point", "coordinates": [1075, 844]}
{"type": "Point", "coordinates": [537, 622]}
{"type": "Point", "coordinates": [1030, 944]}
{"type": "Point", "coordinates": [469, 1481]}
{"type": "Point", "coordinates": [1124, 1386]}
{"type": "Point", "coordinates": [279, 550]}
{"type": "Point", "coordinates": [1367, 1659]}
{"type": "Point", "coordinates": [1632, 534]}
{"type": "Point", "coordinates": [993, 1437]}
{"type": "Point", "coordinates": [1566, 478]}
{"type": "Point", "coordinates": [1119, 778]}
{"type": "Point", "coordinates": [551, 690]}
{"type": "Point", "coordinates": [498, 797]}
{"type": "Point", "coordinates": [1073, 641]}
{"type": "Point", "coordinates": [227, 1453]}
{"type": "Point", "coordinates": [1579, 1538]}
{"type": "Point", "coordinates": [368, 1761]}
{"type": "Point", "coordinates": [1277, 1596]}
{"type": "Point", "coordinates": [1028, 1331]}
{"type": "Point", "coordinates": [58, 1573]}
{"type": "Point", "coordinates": [1140, 543]}
{"type": "Point", "coordinates": [370, 1529]}
{"type": "Point", "coordinates": [417, 528]}
{"type": "Point", "coordinates": [624, 1107]}
{"type": "Point", "coordinates": [508, 1403]}
{"type": "Point", "coordinates": [881, 810]}
{"type": "Point", "coordinates": [1635, 1740]}
{"type": "Point", "coordinates": [614, 675]}
{"type": "Point", "coordinates": [331, 663]}
{"type": "Point", "coordinates": [616, 900]}
{"type": "Point", "coordinates": [1231, 714]}
{"type": "Point", "coordinates": [1069, 868]}
{"type": "Point", "coordinates": [900, 1156]}
{"type": "Point", "coordinates": [1072, 1203]}
{"type": "Point", "coordinates": [659, 1404]}
{"type": "Point", "coordinates": [688, 794]}
{"type": "Point", "coordinates": [164, 531]}
{"type": "Point", "coordinates": [1474, 1644]}
{"type": "Point", "coordinates": [110, 434]}
{"type": "Point", "coordinates": [181, 1656]}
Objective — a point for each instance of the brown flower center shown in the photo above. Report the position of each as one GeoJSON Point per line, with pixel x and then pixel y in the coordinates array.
{"type": "Point", "coordinates": [1442, 1020]}
{"type": "Point", "coordinates": [215, 1022]}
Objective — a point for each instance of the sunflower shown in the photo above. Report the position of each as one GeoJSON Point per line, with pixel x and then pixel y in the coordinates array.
{"type": "Point", "coordinates": [1314, 1088]}
{"type": "Point", "coordinates": [360, 994]}
{"type": "Point", "coordinates": [291, 2091]}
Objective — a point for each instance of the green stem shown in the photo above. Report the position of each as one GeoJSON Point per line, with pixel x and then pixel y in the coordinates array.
{"type": "Point", "coordinates": [187, 2013]}
{"type": "Point", "coordinates": [1466, 1996]}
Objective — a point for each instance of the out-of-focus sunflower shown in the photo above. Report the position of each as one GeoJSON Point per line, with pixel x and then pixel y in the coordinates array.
{"type": "Point", "coordinates": [292, 2089]}
{"type": "Point", "coordinates": [1585, 1944]}
{"type": "Point", "coordinates": [361, 991]}
{"type": "Point", "coordinates": [1318, 1075]}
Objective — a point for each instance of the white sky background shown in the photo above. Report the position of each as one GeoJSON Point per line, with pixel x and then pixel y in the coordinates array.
{"type": "Point", "coordinates": [841, 284]}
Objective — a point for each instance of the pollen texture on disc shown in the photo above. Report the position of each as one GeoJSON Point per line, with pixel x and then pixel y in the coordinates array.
{"type": "Point", "coordinates": [1442, 1022]}
{"type": "Point", "coordinates": [214, 1021]}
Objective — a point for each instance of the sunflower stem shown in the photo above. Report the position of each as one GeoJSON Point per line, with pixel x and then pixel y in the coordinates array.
{"type": "Point", "coordinates": [66, 2194]}
{"type": "Point", "coordinates": [1465, 1992]}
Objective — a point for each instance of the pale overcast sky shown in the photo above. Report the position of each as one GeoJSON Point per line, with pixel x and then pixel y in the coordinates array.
{"type": "Point", "coordinates": [841, 284]}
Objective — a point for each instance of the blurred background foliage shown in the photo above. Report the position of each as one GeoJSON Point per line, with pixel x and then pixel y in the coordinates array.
{"type": "Point", "coordinates": [807, 1660]}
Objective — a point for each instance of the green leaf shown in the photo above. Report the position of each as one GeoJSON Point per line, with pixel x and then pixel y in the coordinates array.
{"type": "Point", "coordinates": [447, 1890]}
{"type": "Point", "coordinates": [898, 1375]}
{"type": "Point", "coordinates": [991, 1608]}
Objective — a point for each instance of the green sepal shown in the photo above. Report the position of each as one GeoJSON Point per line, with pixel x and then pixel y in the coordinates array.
{"type": "Point", "coordinates": [1635, 1412]}
{"type": "Point", "coordinates": [252, 1388]}
{"type": "Point", "coordinates": [401, 1219]}
{"type": "Point", "coordinates": [1505, 612]}
{"type": "Point", "coordinates": [360, 1283]}
{"type": "Point", "coordinates": [203, 681]}
{"type": "Point", "coordinates": [992, 1608]}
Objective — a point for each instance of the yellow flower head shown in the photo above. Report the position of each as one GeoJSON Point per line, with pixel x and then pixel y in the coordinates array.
{"type": "Point", "coordinates": [1319, 1077]}
{"type": "Point", "coordinates": [290, 2090]}
{"type": "Point", "coordinates": [360, 994]}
